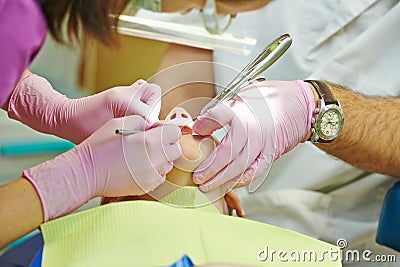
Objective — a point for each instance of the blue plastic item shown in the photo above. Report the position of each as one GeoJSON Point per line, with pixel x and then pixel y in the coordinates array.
{"type": "Point", "coordinates": [388, 233]}
{"type": "Point", "coordinates": [37, 260]}
{"type": "Point", "coordinates": [184, 261]}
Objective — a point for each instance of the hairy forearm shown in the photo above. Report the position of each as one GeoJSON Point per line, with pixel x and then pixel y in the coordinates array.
{"type": "Point", "coordinates": [20, 210]}
{"type": "Point", "coordinates": [370, 138]}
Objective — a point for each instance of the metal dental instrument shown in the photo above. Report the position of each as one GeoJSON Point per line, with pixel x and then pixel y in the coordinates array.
{"type": "Point", "coordinates": [126, 132]}
{"type": "Point", "coordinates": [260, 63]}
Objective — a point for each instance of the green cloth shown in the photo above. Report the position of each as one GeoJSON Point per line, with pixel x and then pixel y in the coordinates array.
{"type": "Point", "coordinates": [189, 197]}
{"type": "Point", "coordinates": [145, 233]}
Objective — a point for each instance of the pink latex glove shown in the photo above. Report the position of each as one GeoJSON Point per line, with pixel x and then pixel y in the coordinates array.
{"type": "Point", "coordinates": [35, 103]}
{"type": "Point", "coordinates": [107, 165]}
{"type": "Point", "coordinates": [266, 120]}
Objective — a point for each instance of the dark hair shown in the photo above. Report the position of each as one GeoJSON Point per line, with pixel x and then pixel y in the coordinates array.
{"type": "Point", "coordinates": [83, 19]}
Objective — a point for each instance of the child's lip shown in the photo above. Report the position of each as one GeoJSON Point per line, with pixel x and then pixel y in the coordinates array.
{"type": "Point", "coordinates": [186, 130]}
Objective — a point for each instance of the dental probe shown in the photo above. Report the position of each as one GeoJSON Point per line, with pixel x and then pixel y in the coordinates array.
{"type": "Point", "coordinates": [260, 63]}
{"type": "Point", "coordinates": [126, 132]}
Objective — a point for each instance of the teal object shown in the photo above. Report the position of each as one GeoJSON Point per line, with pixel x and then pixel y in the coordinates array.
{"type": "Point", "coordinates": [35, 147]}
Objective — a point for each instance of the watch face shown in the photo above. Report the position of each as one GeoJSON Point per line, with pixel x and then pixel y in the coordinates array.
{"type": "Point", "coordinates": [330, 122]}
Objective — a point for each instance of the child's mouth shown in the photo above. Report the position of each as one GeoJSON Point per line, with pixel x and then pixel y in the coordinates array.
{"type": "Point", "coordinates": [186, 130]}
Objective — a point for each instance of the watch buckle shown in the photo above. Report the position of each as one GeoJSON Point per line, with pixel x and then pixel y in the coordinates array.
{"type": "Point", "coordinates": [314, 135]}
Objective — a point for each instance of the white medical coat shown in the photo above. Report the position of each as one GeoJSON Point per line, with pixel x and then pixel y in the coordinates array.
{"type": "Point", "coordinates": [354, 43]}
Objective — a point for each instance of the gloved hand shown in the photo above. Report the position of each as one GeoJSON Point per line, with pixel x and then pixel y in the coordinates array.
{"type": "Point", "coordinates": [106, 164]}
{"type": "Point", "coordinates": [266, 120]}
{"type": "Point", "coordinates": [35, 103]}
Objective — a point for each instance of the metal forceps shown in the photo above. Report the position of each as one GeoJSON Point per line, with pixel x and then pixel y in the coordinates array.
{"type": "Point", "coordinates": [261, 62]}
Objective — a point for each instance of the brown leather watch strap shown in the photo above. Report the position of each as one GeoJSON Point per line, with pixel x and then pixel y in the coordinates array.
{"type": "Point", "coordinates": [323, 91]}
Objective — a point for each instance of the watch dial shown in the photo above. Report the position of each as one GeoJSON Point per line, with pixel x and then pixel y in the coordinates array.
{"type": "Point", "coordinates": [330, 123]}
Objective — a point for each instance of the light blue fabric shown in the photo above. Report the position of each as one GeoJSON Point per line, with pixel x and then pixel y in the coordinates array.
{"type": "Point", "coordinates": [184, 261]}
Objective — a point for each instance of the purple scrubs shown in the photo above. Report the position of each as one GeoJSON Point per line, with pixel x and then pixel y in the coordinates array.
{"type": "Point", "coordinates": [22, 33]}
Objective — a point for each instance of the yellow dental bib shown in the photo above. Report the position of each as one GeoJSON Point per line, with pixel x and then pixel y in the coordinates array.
{"type": "Point", "coordinates": [145, 233]}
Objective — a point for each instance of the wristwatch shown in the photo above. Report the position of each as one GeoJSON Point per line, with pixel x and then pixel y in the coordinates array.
{"type": "Point", "coordinates": [328, 119]}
